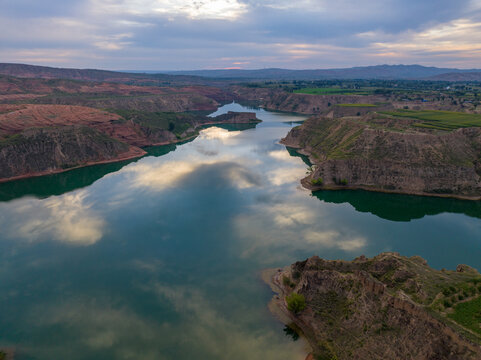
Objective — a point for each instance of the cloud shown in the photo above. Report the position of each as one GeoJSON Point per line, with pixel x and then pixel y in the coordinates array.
{"type": "Point", "coordinates": [283, 155]}
{"type": "Point", "coordinates": [207, 9]}
{"type": "Point", "coordinates": [215, 170]}
{"type": "Point", "coordinates": [185, 324]}
{"type": "Point", "coordinates": [275, 228]}
{"type": "Point", "coordinates": [455, 42]}
{"type": "Point", "coordinates": [67, 218]}
{"type": "Point", "coordinates": [93, 326]}
{"type": "Point", "coordinates": [285, 175]}
{"type": "Point", "coordinates": [334, 239]}
{"type": "Point", "coordinates": [167, 34]}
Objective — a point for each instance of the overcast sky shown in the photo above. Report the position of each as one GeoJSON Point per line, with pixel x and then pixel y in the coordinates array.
{"type": "Point", "coordinates": [212, 34]}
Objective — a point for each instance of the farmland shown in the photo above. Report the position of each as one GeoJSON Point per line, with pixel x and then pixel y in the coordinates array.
{"type": "Point", "coordinates": [440, 120]}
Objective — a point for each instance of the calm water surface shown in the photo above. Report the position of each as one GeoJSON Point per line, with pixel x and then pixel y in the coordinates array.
{"type": "Point", "coordinates": [160, 258]}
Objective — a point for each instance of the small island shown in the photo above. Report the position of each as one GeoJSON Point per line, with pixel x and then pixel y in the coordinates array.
{"type": "Point", "coordinates": [385, 307]}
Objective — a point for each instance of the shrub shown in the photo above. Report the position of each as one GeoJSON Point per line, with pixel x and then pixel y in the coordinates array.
{"type": "Point", "coordinates": [296, 302]}
{"type": "Point", "coordinates": [343, 182]}
{"type": "Point", "coordinates": [317, 181]}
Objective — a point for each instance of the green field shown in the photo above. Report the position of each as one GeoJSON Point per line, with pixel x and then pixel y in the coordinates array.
{"type": "Point", "coordinates": [441, 120]}
{"type": "Point", "coordinates": [356, 105]}
{"type": "Point", "coordinates": [332, 91]}
{"type": "Point", "coordinates": [468, 314]}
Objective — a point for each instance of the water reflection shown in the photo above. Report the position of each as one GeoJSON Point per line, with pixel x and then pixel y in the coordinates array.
{"type": "Point", "coordinates": [396, 207]}
{"type": "Point", "coordinates": [68, 218]}
{"type": "Point", "coordinates": [57, 184]}
{"type": "Point", "coordinates": [175, 247]}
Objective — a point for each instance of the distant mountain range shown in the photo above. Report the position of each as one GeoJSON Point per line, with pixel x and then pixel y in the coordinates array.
{"type": "Point", "coordinates": [404, 72]}
{"type": "Point", "coordinates": [384, 72]}
{"type": "Point", "coordinates": [45, 72]}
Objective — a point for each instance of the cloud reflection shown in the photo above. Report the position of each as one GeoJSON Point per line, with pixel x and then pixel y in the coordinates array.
{"type": "Point", "coordinates": [96, 326]}
{"type": "Point", "coordinates": [272, 229]}
{"type": "Point", "coordinates": [68, 218]}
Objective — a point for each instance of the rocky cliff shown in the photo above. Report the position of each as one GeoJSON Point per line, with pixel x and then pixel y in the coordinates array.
{"type": "Point", "coordinates": [40, 151]}
{"type": "Point", "coordinates": [386, 307]}
{"type": "Point", "coordinates": [390, 155]}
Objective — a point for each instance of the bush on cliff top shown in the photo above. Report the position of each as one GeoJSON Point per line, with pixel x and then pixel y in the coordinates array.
{"type": "Point", "coordinates": [296, 302]}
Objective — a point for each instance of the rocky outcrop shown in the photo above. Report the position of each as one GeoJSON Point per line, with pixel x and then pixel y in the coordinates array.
{"type": "Point", "coordinates": [392, 157]}
{"type": "Point", "coordinates": [386, 307]}
{"type": "Point", "coordinates": [40, 151]}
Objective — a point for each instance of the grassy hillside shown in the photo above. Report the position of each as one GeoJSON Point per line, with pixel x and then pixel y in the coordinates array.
{"type": "Point", "coordinates": [441, 120]}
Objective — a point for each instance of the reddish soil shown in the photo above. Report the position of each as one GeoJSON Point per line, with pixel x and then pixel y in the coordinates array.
{"type": "Point", "coordinates": [21, 117]}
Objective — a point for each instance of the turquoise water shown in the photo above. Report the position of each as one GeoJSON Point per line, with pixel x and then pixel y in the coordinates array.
{"type": "Point", "coordinates": [160, 258]}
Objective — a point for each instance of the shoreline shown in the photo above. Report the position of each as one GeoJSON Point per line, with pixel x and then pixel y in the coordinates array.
{"type": "Point", "coordinates": [278, 306]}
{"type": "Point", "coordinates": [139, 154]}
{"type": "Point", "coordinates": [306, 184]}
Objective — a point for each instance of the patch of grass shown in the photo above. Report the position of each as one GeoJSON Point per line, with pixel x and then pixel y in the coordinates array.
{"type": "Point", "coordinates": [440, 120]}
{"type": "Point", "coordinates": [468, 314]}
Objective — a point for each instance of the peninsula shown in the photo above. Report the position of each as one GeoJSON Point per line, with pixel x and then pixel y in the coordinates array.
{"type": "Point", "coordinates": [385, 307]}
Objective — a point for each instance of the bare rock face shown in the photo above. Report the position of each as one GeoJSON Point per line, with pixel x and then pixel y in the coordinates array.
{"type": "Point", "coordinates": [386, 307]}
{"type": "Point", "coordinates": [40, 151]}
{"type": "Point", "coordinates": [352, 154]}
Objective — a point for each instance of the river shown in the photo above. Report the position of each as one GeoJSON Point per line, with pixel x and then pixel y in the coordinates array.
{"type": "Point", "coordinates": [160, 257]}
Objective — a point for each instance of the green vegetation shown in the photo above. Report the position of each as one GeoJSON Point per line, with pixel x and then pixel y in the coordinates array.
{"type": "Point", "coordinates": [317, 181]}
{"type": "Point", "coordinates": [331, 91]}
{"type": "Point", "coordinates": [468, 314]}
{"type": "Point", "coordinates": [295, 302]}
{"type": "Point", "coordinates": [328, 138]}
{"type": "Point", "coordinates": [441, 120]}
{"type": "Point", "coordinates": [3, 355]}
{"type": "Point", "coordinates": [356, 105]}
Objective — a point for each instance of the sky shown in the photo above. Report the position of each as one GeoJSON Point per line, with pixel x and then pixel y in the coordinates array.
{"type": "Point", "coordinates": [247, 34]}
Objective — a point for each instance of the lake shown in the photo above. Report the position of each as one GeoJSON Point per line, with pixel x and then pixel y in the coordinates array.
{"type": "Point", "coordinates": [160, 257]}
